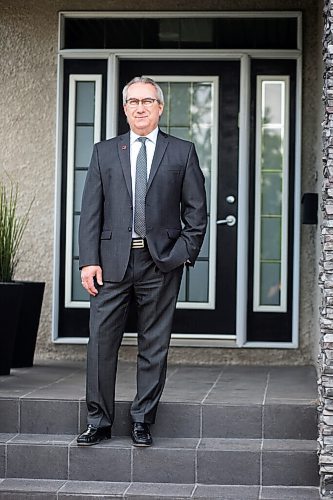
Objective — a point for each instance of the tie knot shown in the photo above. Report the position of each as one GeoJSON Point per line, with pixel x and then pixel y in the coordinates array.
{"type": "Point", "coordinates": [142, 139]}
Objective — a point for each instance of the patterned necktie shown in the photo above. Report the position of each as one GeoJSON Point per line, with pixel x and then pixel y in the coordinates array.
{"type": "Point", "coordinates": [140, 189]}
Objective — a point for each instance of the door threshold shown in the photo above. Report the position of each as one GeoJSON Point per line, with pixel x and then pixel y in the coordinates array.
{"type": "Point", "coordinates": [181, 340]}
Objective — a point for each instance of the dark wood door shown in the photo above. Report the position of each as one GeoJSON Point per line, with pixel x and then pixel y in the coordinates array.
{"type": "Point", "coordinates": [202, 104]}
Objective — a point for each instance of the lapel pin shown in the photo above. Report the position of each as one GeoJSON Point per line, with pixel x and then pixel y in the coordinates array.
{"type": "Point", "coordinates": [124, 146]}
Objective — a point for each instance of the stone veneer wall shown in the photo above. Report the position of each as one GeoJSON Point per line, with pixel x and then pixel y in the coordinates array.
{"type": "Point", "coordinates": [325, 440]}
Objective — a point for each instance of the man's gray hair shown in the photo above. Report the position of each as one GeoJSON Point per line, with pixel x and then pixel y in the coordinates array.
{"type": "Point", "coordinates": [144, 79]}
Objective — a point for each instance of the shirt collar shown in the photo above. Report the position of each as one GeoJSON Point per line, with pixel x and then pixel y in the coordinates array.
{"type": "Point", "coordinates": [152, 136]}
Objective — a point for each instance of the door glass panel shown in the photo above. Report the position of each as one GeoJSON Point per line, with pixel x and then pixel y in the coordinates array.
{"type": "Point", "coordinates": [198, 282]}
{"type": "Point", "coordinates": [204, 252]}
{"type": "Point", "coordinates": [189, 112]}
{"type": "Point", "coordinates": [180, 112]}
{"type": "Point", "coordinates": [181, 132]}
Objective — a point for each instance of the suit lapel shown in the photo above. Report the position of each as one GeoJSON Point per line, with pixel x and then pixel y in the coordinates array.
{"type": "Point", "coordinates": [161, 145]}
{"type": "Point", "coordinates": [125, 162]}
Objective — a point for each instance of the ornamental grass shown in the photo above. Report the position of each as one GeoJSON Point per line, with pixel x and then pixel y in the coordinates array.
{"type": "Point", "coordinates": [12, 227]}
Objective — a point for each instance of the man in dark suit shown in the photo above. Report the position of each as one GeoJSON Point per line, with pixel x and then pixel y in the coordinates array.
{"type": "Point", "coordinates": [143, 217]}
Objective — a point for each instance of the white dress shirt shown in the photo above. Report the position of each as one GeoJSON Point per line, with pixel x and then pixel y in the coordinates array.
{"type": "Point", "coordinates": [135, 146]}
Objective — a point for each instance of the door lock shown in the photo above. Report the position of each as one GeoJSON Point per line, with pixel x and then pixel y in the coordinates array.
{"type": "Point", "coordinates": [230, 199]}
{"type": "Point", "coordinates": [230, 220]}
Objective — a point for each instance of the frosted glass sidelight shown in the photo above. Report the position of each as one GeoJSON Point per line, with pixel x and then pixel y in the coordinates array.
{"type": "Point", "coordinates": [76, 236]}
{"type": "Point", "coordinates": [78, 292]}
{"type": "Point", "coordinates": [270, 283]}
{"type": "Point", "coordinates": [271, 149]}
{"type": "Point", "coordinates": [85, 102]}
{"type": "Point", "coordinates": [272, 102]}
{"type": "Point", "coordinates": [84, 142]}
{"type": "Point", "coordinates": [271, 192]}
{"type": "Point", "coordinates": [208, 189]}
{"type": "Point", "coordinates": [271, 238]}
{"type": "Point", "coordinates": [271, 206]}
{"type": "Point", "coordinates": [79, 180]}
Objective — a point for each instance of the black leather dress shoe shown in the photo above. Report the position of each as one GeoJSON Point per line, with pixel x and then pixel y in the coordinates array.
{"type": "Point", "coordinates": [141, 434]}
{"type": "Point", "coordinates": [93, 436]}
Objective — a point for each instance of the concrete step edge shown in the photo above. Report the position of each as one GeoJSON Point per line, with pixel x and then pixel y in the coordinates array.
{"type": "Point", "coordinates": [173, 419]}
{"type": "Point", "coordinates": [34, 488]}
{"type": "Point", "coordinates": [213, 444]}
{"type": "Point", "coordinates": [183, 461]}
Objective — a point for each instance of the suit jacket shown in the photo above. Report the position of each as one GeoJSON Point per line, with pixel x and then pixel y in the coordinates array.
{"type": "Point", "coordinates": [176, 213]}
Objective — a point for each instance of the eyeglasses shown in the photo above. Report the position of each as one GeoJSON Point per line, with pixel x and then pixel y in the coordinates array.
{"type": "Point", "coordinates": [146, 103]}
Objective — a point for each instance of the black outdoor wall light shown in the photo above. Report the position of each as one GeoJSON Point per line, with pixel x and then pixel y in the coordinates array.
{"type": "Point", "coordinates": [310, 208]}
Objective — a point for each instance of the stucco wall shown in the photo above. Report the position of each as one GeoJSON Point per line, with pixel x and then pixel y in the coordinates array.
{"type": "Point", "coordinates": [317, 146]}
{"type": "Point", "coordinates": [28, 47]}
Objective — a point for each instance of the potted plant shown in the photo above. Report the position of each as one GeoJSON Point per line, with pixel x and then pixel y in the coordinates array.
{"type": "Point", "coordinates": [20, 302]}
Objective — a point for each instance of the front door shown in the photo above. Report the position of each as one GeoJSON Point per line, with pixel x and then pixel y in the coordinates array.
{"type": "Point", "coordinates": [202, 105]}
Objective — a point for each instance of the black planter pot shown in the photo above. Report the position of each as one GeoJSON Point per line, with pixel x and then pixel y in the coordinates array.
{"type": "Point", "coordinates": [10, 306]}
{"type": "Point", "coordinates": [28, 322]}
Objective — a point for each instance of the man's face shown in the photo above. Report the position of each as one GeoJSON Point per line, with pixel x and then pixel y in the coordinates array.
{"type": "Point", "coordinates": [143, 120]}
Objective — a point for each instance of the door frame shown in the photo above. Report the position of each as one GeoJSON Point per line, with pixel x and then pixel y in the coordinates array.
{"type": "Point", "coordinates": [244, 57]}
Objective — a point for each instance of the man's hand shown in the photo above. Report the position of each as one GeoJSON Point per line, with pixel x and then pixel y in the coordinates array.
{"type": "Point", "coordinates": [88, 273]}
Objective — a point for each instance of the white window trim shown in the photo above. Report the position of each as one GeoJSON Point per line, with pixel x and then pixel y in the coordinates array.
{"type": "Point", "coordinates": [243, 200]}
{"type": "Point", "coordinates": [282, 307]}
{"type": "Point", "coordinates": [73, 79]}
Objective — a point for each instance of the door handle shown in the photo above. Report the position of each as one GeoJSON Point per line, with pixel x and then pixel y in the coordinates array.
{"type": "Point", "coordinates": [230, 220]}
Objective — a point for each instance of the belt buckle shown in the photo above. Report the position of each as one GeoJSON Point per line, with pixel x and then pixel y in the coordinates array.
{"type": "Point", "coordinates": [138, 243]}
